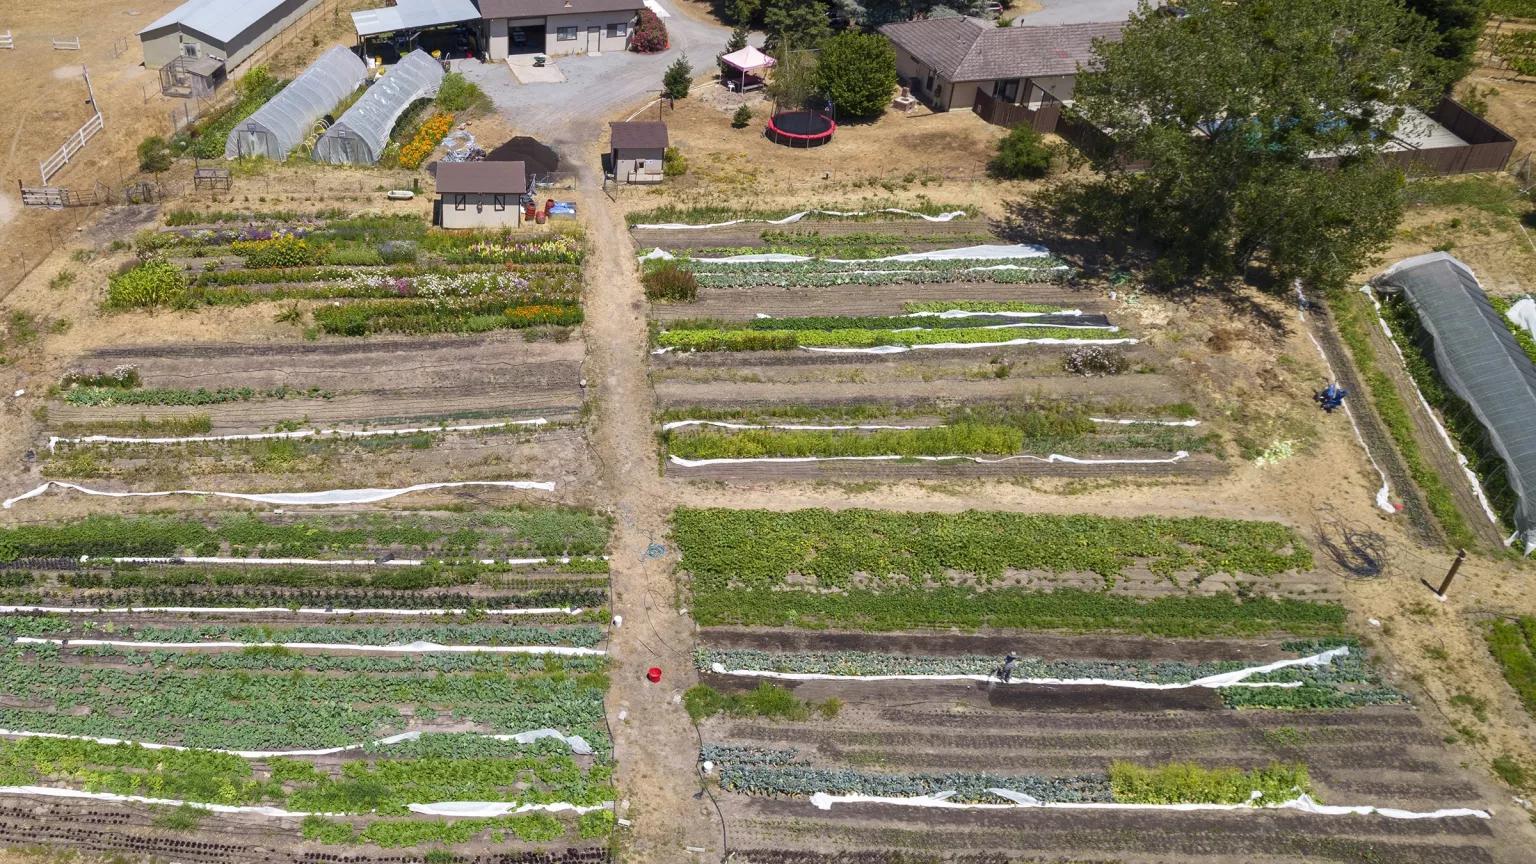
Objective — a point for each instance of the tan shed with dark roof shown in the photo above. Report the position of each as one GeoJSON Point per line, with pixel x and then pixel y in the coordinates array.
{"type": "Point", "coordinates": [637, 151]}
{"type": "Point", "coordinates": [558, 27]}
{"type": "Point", "coordinates": [480, 194]}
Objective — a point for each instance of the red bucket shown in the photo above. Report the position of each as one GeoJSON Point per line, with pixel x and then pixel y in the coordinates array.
{"type": "Point", "coordinates": [653, 674]}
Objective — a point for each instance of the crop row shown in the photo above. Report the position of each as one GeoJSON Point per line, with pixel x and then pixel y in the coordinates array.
{"type": "Point", "coordinates": [786, 340]}
{"type": "Point", "coordinates": [966, 608]}
{"type": "Point", "coordinates": [821, 274]}
{"type": "Point", "coordinates": [775, 773]}
{"type": "Point", "coordinates": [399, 833]}
{"type": "Point", "coordinates": [458, 633]}
{"type": "Point", "coordinates": [882, 322]}
{"type": "Point", "coordinates": [949, 440]}
{"type": "Point", "coordinates": [537, 773]}
{"type": "Point", "coordinates": [699, 214]}
{"type": "Point", "coordinates": [394, 281]}
{"type": "Point", "coordinates": [244, 710]}
{"type": "Point", "coordinates": [762, 549]}
{"type": "Point", "coordinates": [281, 659]}
{"type": "Point", "coordinates": [478, 315]}
{"type": "Point", "coordinates": [510, 532]}
{"type": "Point", "coordinates": [591, 599]}
{"type": "Point", "coordinates": [106, 397]}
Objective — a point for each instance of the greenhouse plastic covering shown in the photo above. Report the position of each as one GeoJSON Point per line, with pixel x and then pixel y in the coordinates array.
{"type": "Point", "coordinates": [1480, 361]}
{"type": "Point", "coordinates": [360, 135]}
{"type": "Point", "coordinates": [285, 122]}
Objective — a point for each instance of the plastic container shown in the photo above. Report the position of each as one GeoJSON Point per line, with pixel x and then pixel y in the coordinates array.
{"type": "Point", "coordinates": [653, 674]}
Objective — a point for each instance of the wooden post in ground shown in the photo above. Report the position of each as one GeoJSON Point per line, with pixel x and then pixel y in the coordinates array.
{"type": "Point", "coordinates": [1445, 584]}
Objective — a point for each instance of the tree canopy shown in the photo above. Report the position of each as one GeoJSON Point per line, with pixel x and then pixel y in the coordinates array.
{"type": "Point", "coordinates": [857, 71]}
{"type": "Point", "coordinates": [1215, 119]}
{"type": "Point", "coordinates": [1458, 23]}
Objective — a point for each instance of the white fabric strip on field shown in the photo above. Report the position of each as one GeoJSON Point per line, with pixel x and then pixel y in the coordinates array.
{"type": "Point", "coordinates": [1235, 678]}
{"type": "Point", "coordinates": [954, 346]}
{"type": "Point", "coordinates": [1122, 422]}
{"type": "Point", "coordinates": [1445, 435]}
{"type": "Point", "coordinates": [984, 460]}
{"type": "Point", "coordinates": [407, 648]}
{"type": "Point", "coordinates": [1383, 494]}
{"type": "Point", "coordinates": [56, 440]}
{"type": "Point", "coordinates": [1523, 313]}
{"type": "Point", "coordinates": [1302, 803]}
{"type": "Point", "coordinates": [275, 610]}
{"type": "Point", "coordinates": [796, 217]}
{"type": "Point", "coordinates": [318, 562]}
{"type": "Point", "coordinates": [578, 744]}
{"type": "Point", "coordinates": [328, 497]}
{"type": "Point", "coordinates": [969, 313]}
{"type": "Point", "coordinates": [443, 808]}
{"type": "Point", "coordinates": [988, 252]}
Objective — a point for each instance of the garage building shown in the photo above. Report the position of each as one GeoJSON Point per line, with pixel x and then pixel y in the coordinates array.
{"type": "Point", "coordinates": [224, 30]}
{"type": "Point", "coordinates": [558, 27]}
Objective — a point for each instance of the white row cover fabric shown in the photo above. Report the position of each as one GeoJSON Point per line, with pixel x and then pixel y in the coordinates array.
{"type": "Point", "coordinates": [1180, 456]}
{"type": "Point", "coordinates": [985, 252]}
{"type": "Point", "coordinates": [1303, 803]}
{"type": "Point", "coordinates": [961, 346]}
{"type": "Point", "coordinates": [452, 808]}
{"type": "Point", "coordinates": [314, 562]}
{"type": "Point", "coordinates": [803, 427]}
{"type": "Point", "coordinates": [796, 217]}
{"type": "Point", "coordinates": [578, 744]}
{"type": "Point", "coordinates": [287, 120]}
{"type": "Point", "coordinates": [359, 136]}
{"type": "Point", "coordinates": [1523, 313]}
{"type": "Point", "coordinates": [56, 440]}
{"type": "Point", "coordinates": [407, 648]}
{"type": "Point", "coordinates": [1235, 678]}
{"type": "Point", "coordinates": [276, 610]}
{"type": "Point", "coordinates": [328, 497]}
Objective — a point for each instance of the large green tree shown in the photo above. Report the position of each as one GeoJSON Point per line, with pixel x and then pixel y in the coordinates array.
{"type": "Point", "coordinates": [857, 71]}
{"type": "Point", "coordinates": [1214, 121]}
{"type": "Point", "coordinates": [802, 23]}
{"type": "Point", "coordinates": [1459, 23]}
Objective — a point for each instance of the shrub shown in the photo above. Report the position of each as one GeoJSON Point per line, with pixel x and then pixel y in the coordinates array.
{"type": "Point", "coordinates": [457, 93]}
{"type": "Point", "coordinates": [741, 118]}
{"type": "Point", "coordinates": [670, 282]}
{"type": "Point", "coordinates": [148, 285]}
{"type": "Point", "coordinates": [284, 250]}
{"type": "Point", "coordinates": [673, 163]}
{"type": "Point", "coordinates": [154, 155]}
{"type": "Point", "coordinates": [1093, 360]}
{"type": "Point", "coordinates": [767, 700]}
{"type": "Point", "coordinates": [857, 71]}
{"type": "Point", "coordinates": [678, 78]}
{"type": "Point", "coordinates": [649, 35]}
{"type": "Point", "coordinates": [1021, 155]}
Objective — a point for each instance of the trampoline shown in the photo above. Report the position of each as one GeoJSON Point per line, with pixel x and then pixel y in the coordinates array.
{"type": "Point", "coordinates": [800, 128]}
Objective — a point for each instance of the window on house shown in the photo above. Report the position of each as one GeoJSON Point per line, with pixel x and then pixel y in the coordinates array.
{"type": "Point", "coordinates": [498, 202]}
{"type": "Point", "coordinates": [460, 202]}
{"type": "Point", "coordinates": [566, 34]}
{"type": "Point", "coordinates": [617, 30]}
{"type": "Point", "coordinates": [1008, 91]}
{"type": "Point", "coordinates": [189, 49]}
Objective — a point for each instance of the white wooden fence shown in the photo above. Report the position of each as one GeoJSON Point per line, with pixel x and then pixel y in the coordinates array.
{"type": "Point", "coordinates": [7, 40]}
{"type": "Point", "coordinates": [53, 164]}
{"type": "Point", "coordinates": [66, 44]}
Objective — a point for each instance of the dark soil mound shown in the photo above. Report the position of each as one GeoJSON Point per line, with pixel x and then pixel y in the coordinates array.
{"type": "Point", "coordinates": [537, 158]}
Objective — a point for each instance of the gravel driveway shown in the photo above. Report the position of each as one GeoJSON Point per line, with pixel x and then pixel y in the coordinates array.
{"type": "Point", "coordinates": [1077, 12]}
{"type": "Point", "coordinates": [571, 115]}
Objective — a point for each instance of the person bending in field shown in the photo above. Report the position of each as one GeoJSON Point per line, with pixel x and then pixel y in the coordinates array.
{"type": "Point", "coordinates": [1005, 672]}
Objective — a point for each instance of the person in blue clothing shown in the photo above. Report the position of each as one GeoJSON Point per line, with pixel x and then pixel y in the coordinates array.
{"type": "Point", "coordinates": [1331, 397]}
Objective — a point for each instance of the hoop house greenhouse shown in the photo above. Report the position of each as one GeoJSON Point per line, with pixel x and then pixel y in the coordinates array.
{"type": "Point", "coordinates": [282, 124]}
{"type": "Point", "coordinates": [360, 135]}
{"type": "Point", "coordinates": [1488, 373]}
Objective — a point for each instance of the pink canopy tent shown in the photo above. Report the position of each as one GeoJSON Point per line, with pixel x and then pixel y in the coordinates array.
{"type": "Point", "coordinates": [748, 61]}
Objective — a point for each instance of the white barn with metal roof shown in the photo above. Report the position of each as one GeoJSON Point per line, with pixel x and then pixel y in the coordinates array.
{"type": "Point", "coordinates": [227, 30]}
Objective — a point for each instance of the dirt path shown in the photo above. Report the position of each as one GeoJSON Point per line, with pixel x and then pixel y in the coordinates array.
{"type": "Point", "coordinates": [653, 737]}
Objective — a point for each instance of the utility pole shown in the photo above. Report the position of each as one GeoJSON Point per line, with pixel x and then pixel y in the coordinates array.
{"type": "Point", "coordinates": [1445, 584]}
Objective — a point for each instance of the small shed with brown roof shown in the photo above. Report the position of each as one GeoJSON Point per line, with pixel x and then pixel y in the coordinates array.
{"type": "Point", "coordinates": [480, 194]}
{"type": "Point", "coordinates": [637, 151]}
{"type": "Point", "coordinates": [959, 62]}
